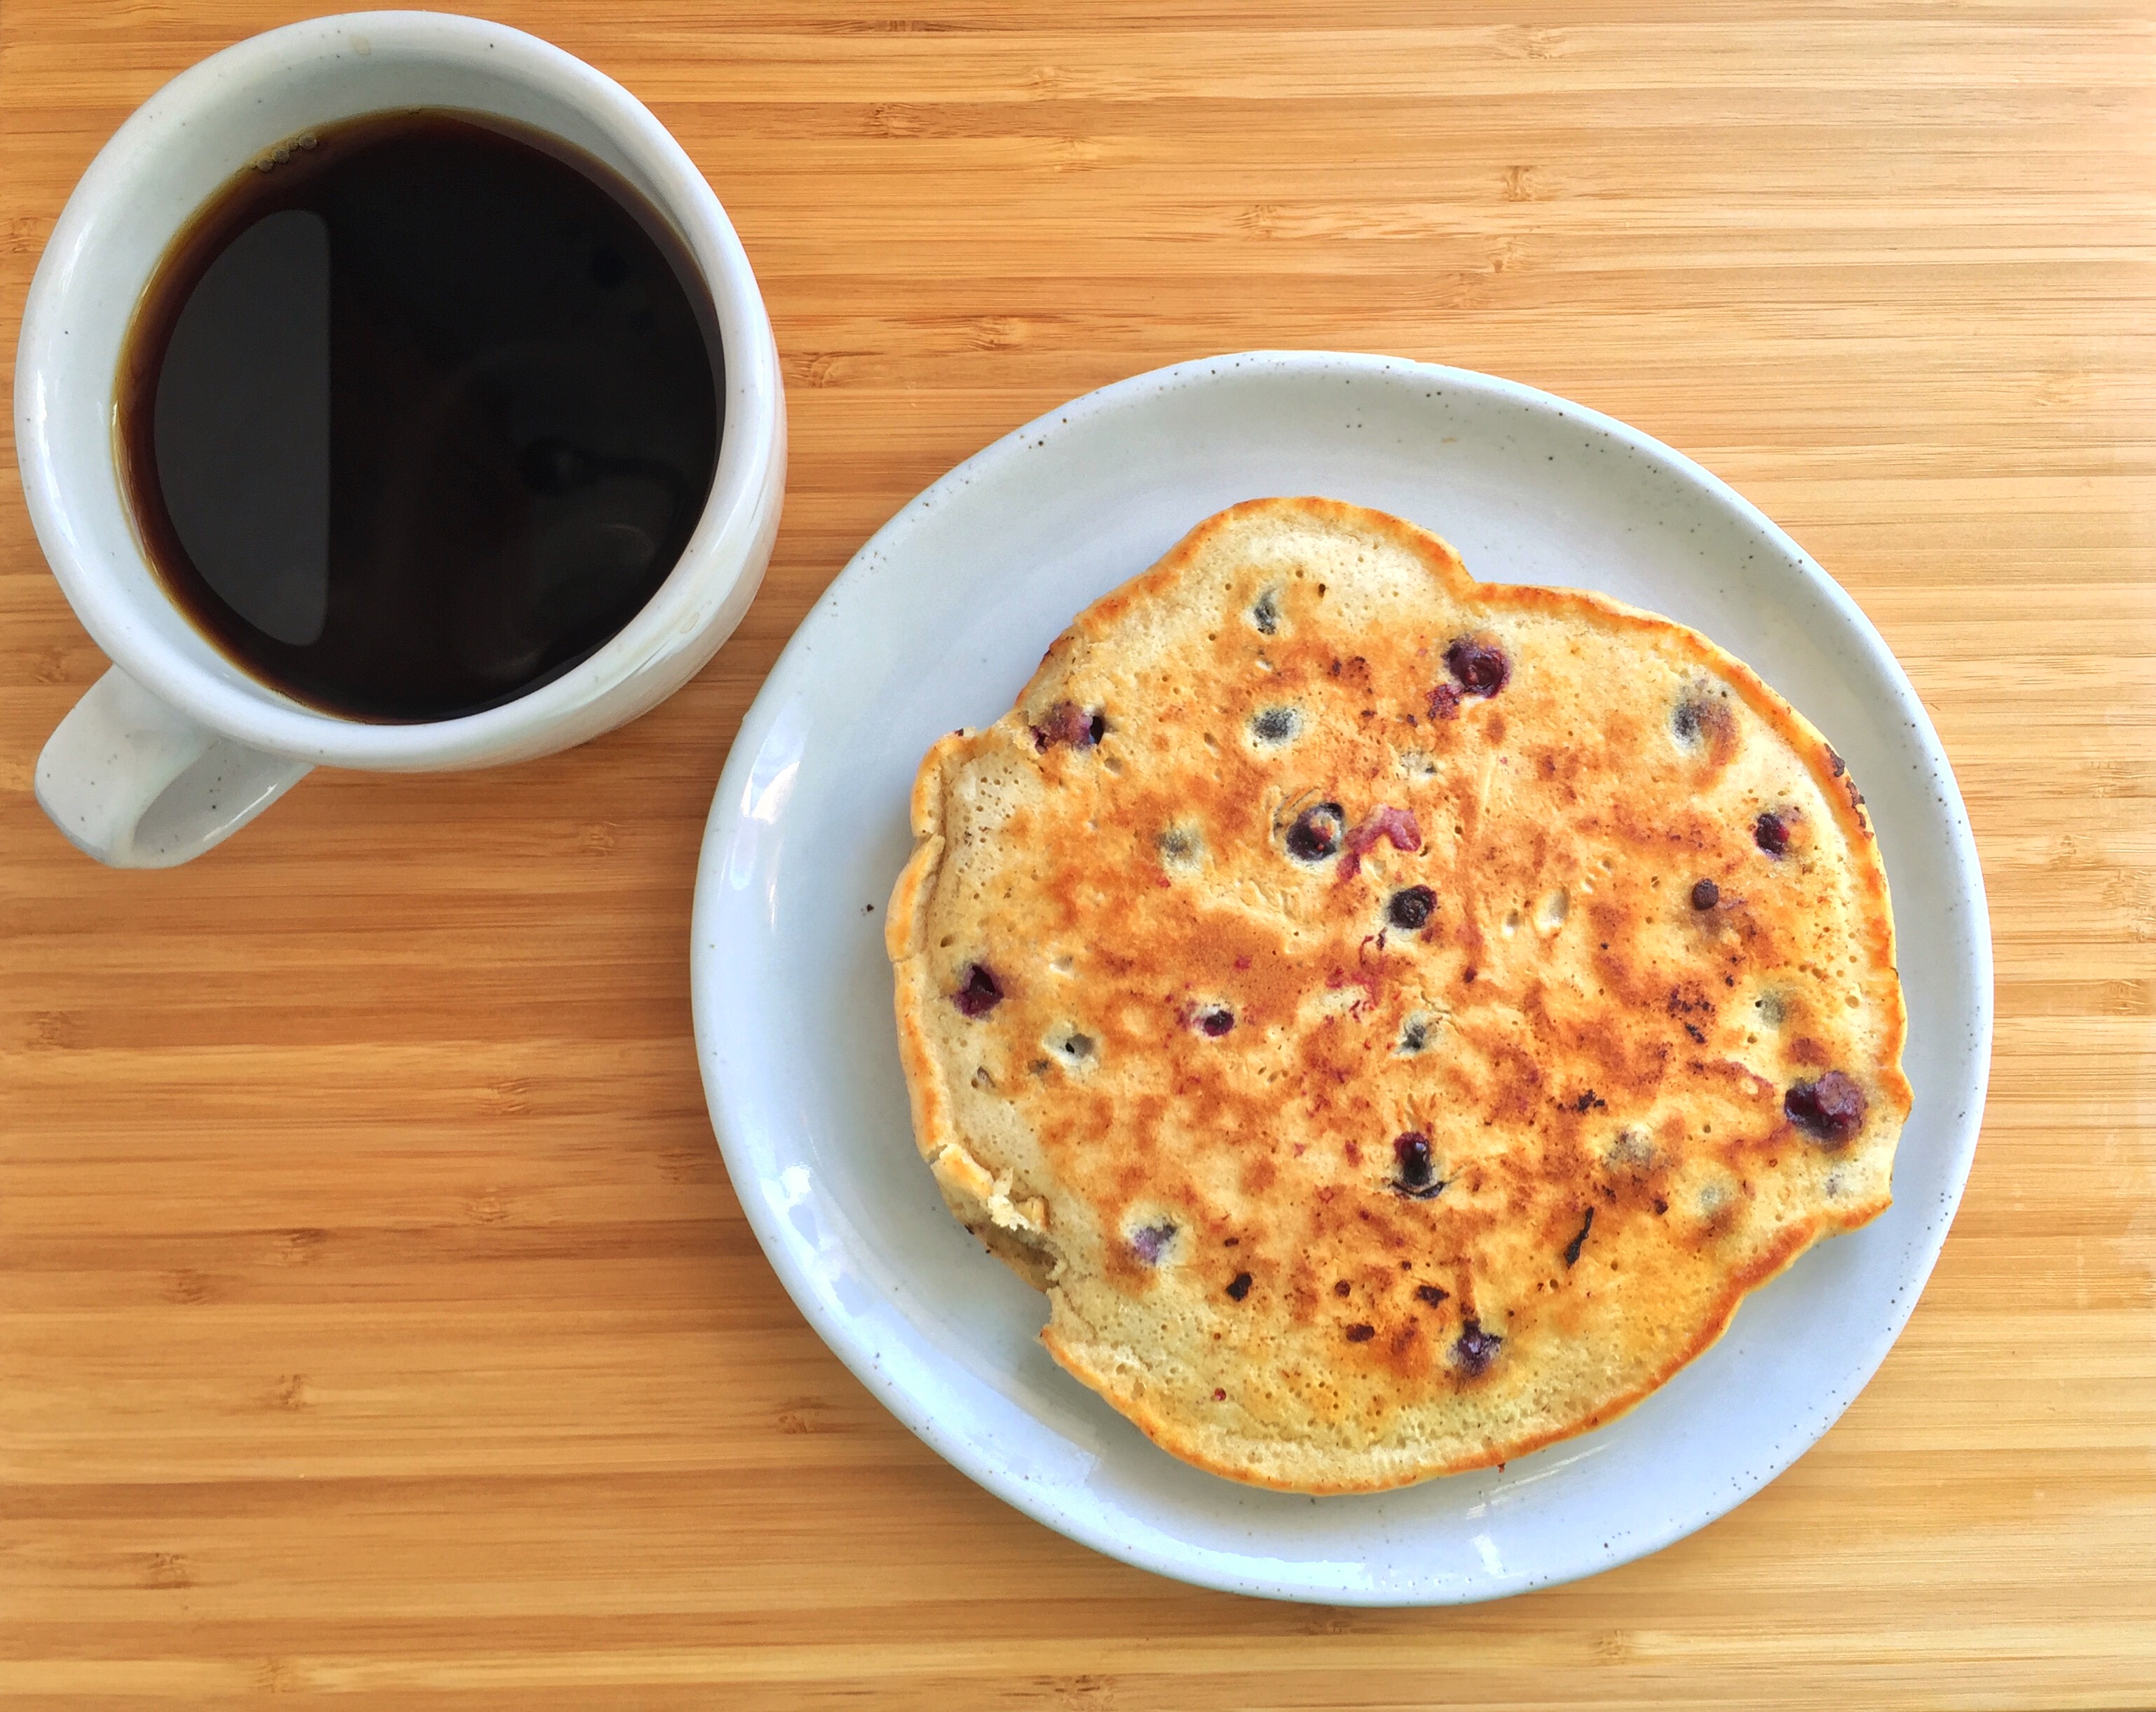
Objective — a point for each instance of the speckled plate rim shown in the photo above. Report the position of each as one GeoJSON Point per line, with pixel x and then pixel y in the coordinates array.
{"type": "Point", "coordinates": [725, 1028]}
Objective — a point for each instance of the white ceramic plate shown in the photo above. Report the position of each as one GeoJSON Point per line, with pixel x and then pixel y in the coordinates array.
{"type": "Point", "coordinates": [937, 622]}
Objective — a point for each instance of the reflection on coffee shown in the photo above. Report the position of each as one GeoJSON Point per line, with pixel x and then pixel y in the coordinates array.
{"type": "Point", "coordinates": [417, 412]}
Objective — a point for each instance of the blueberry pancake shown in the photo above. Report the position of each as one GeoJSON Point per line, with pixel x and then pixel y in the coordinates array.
{"type": "Point", "coordinates": [1395, 1018]}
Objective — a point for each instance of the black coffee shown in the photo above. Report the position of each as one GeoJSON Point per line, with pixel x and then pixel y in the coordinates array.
{"type": "Point", "coordinates": [417, 413]}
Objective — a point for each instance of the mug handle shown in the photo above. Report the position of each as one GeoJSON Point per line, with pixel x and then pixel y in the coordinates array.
{"type": "Point", "coordinates": [137, 784]}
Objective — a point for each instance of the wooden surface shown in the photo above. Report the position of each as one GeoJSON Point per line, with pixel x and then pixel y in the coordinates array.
{"type": "Point", "coordinates": [375, 1315]}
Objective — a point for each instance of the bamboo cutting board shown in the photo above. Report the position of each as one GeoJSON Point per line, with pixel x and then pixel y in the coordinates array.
{"type": "Point", "coordinates": [375, 1315]}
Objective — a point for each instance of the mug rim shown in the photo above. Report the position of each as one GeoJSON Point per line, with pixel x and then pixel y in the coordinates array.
{"type": "Point", "coordinates": [697, 591]}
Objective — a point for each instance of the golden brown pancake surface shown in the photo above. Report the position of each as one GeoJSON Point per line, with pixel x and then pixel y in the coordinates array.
{"type": "Point", "coordinates": [1395, 1018]}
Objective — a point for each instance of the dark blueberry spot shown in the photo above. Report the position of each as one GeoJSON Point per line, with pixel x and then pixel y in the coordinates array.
{"type": "Point", "coordinates": [1476, 1349]}
{"type": "Point", "coordinates": [1704, 894]}
{"type": "Point", "coordinates": [1361, 1334]}
{"type": "Point", "coordinates": [1175, 844]}
{"type": "Point", "coordinates": [1430, 1294]}
{"type": "Point", "coordinates": [981, 994]}
{"type": "Point", "coordinates": [1341, 1287]}
{"type": "Point", "coordinates": [1078, 1046]}
{"type": "Point", "coordinates": [1417, 1177]}
{"type": "Point", "coordinates": [1216, 1021]}
{"type": "Point", "coordinates": [1150, 1241]}
{"type": "Point", "coordinates": [1771, 833]}
{"type": "Point", "coordinates": [1467, 974]}
{"type": "Point", "coordinates": [1070, 723]}
{"type": "Point", "coordinates": [1443, 702]}
{"type": "Point", "coordinates": [1415, 1037]}
{"type": "Point", "coordinates": [1480, 667]}
{"type": "Point", "coordinates": [1265, 615]}
{"type": "Point", "coordinates": [1316, 833]}
{"type": "Point", "coordinates": [1239, 1287]}
{"type": "Point", "coordinates": [1832, 1108]}
{"type": "Point", "coordinates": [1572, 1248]}
{"type": "Point", "coordinates": [1410, 909]}
{"type": "Point", "coordinates": [1274, 724]}
{"type": "Point", "coordinates": [1587, 1101]}
{"type": "Point", "coordinates": [1702, 718]}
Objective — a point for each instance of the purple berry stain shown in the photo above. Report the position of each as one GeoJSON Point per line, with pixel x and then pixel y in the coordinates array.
{"type": "Point", "coordinates": [1771, 833]}
{"type": "Point", "coordinates": [1831, 1109]}
{"type": "Point", "coordinates": [1383, 822]}
{"type": "Point", "coordinates": [1149, 1241]}
{"type": "Point", "coordinates": [1475, 1350]}
{"type": "Point", "coordinates": [1215, 1023]}
{"type": "Point", "coordinates": [981, 994]}
{"type": "Point", "coordinates": [1071, 724]}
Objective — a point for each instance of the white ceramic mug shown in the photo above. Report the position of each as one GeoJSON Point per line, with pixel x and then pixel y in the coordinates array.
{"type": "Point", "coordinates": [177, 747]}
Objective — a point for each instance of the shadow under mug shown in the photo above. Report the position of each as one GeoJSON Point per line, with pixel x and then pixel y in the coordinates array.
{"type": "Point", "coordinates": [177, 747]}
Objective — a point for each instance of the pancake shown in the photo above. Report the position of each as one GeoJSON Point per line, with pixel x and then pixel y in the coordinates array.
{"type": "Point", "coordinates": [1395, 1019]}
